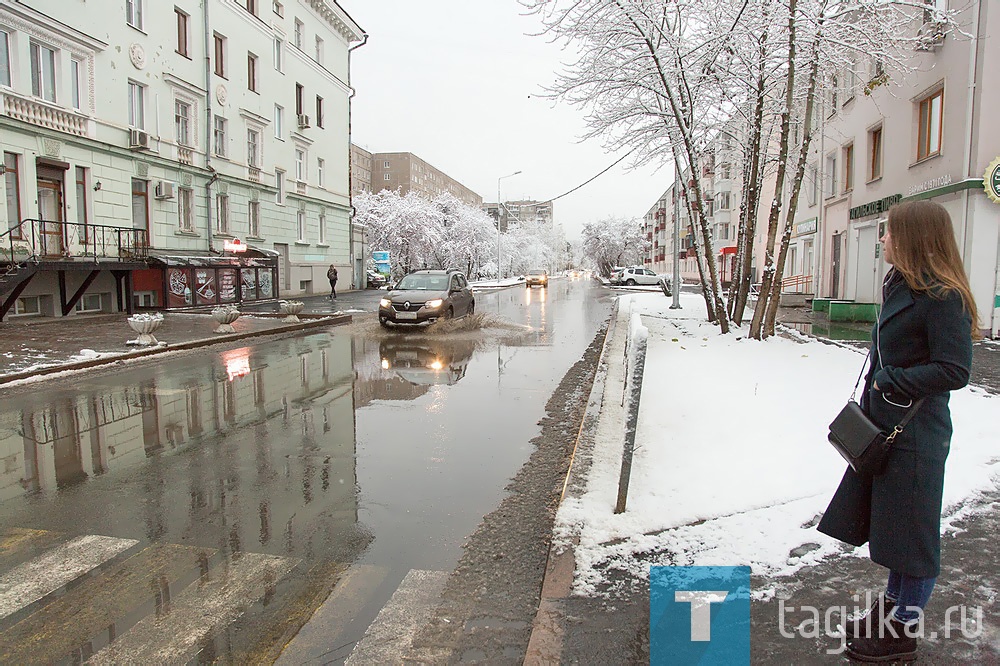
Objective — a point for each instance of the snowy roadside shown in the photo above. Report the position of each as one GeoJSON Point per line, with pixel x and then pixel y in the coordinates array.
{"type": "Point", "coordinates": [731, 465]}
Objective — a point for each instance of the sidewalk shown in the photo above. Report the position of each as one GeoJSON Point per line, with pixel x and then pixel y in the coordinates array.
{"type": "Point", "coordinates": [716, 480]}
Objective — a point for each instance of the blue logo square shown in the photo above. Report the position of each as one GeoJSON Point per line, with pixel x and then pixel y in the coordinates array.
{"type": "Point", "coordinates": [699, 615]}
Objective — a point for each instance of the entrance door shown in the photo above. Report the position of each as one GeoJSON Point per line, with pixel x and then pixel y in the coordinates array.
{"type": "Point", "coordinates": [835, 267]}
{"type": "Point", "coordinates": [50, 209]}
{"type": "Point", "coordinates": [284, 274]}
{"type": "Point", "coordinates": [867, 264]}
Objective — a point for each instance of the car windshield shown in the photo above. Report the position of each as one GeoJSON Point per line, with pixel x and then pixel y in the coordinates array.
{"type": "Point", "coordinates": [424, 282]}
{"type": "Point", "coordinates": [536, 271]}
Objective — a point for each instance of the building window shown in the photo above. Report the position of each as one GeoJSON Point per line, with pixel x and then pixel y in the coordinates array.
{"type": "Point", "coordinates": [279, 122]}
{"type": "Point", "coordinates": [875, 153]}
{"type": "Point", "coordinates": [385, 177]}
{"type": "Point", "coordinates": [183, 32]}
{"type": "Point", "coordinates": [90, 303]}
{"type": "Point", "coordinates": [4, 59]}
{"type": "Point", "coordinates": [279, 47]}
{"type": "Point", "coordinates": [279, 183]}
{"type": "Point", "coordinates": [300, 222]}
{"type": "Point", "coordinates": [722, 200]}
{"type": "Point", "coordinates": [182, 122]}
{"type": "Point", "coordinates": [831, 174]}
{"type": "Point", "coordinates": [222, 213]}
{"type": "Point", "coordinates": [319, 111]}
{"type": "Point", "coordinates": [27, 305]}
{"type": "Point", "coordinates": [251, 6]}
{"type": "Point", "coordinates": [220, 54]}
{"type": "Point", "coordinates": [849, 167]}
{"type": "Point", "coordinates": [136, 105]}
{"type": "Point", "coordinates": [253, 217]}
{"type": "Point", "coordinates": [43, 72]}
{"type": "Point", "coordinates": [81, 200]}
{"type": "Point", "coordinates": [76, 92]}
{"type": "Point", "coordinates": [12, 182]}
{"type": "Point", "coordinates": [185, 209]}
{"type": "Point", "coordinates": [319, 50]}
{"type": "Point", "coordinates": [385, 164]}
{"type": "Point", "coordinates": [278, 8]}
{"type": "Point", "coordinates": [300, 30]}
{"type": "Point", "coordinates": [813, 185]}
{"type": "Point", "coordinates": [322, 228]}
{"type": "Point", "coordinates": [930, 128]}
{"type": "Point", "coordinates": [140, 204]}
{"type": "Point", "coordinates": [299, 95]}
{"type": "Point", "coordinates": [253, 148]}
{"type": "Point", "coordinates": [320, 165]}
{"type": "Point", "coordinates": [300, 165]}
{"type": "Point", "coordinates": [251, 72]}
{"type": "Point", "coordinates": [220, 135]}
{"type": "Point", "coordinates": [133, 13]}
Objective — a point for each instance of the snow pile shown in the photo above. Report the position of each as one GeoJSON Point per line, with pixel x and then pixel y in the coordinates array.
{"type": "Point", "coordinates": [732, 465]}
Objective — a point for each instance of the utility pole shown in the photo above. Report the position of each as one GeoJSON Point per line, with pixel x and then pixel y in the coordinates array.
{"type": "Point", "coordinates": [676, 305]}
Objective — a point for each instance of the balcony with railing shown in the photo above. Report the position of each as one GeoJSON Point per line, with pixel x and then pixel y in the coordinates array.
{"type": "Point", "coordinates": [300, 187]}
{"type": "Point", "coordinates": [48, 240]}
{"type": "Point", "coordinates": [43, 114]}
{"type": "Point", "coordinates": [185, 155]}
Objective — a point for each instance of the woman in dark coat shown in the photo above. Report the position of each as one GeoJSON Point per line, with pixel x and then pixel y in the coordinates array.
{"type": "Point", "coordinates": [922, 348]}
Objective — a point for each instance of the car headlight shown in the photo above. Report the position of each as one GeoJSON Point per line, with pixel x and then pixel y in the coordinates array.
{"type": "Point", "coordinates": [384, 303]}
{"type": "Point", "coordinates": [436, 303]}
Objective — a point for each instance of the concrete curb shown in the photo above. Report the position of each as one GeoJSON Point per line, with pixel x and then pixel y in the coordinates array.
{"type": "Point", "coordinates": [315, 321]}
{"type": "Point", "coordinates": [548, 627]}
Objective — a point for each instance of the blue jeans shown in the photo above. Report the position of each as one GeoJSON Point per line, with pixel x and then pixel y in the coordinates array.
{"type": "Point", "coordinates": [909, 593]}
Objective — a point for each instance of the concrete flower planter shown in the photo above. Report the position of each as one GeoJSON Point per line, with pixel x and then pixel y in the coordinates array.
{"type": "Point", "coordinates": [292, 309]}
{"type": "Point", "coordinates": [145, 325]}
{"type": "Point", "coordinates": [225, 315]}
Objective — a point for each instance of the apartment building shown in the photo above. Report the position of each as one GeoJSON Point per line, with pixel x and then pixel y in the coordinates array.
{"type": "Point", "coordinates": [405, 173]}
{"type": "Point", "coordinates": [361, 170]}
{"type": "Point", "coordinates": [172, 155]}
{"type": "Point", "coordinates": [927, 135]}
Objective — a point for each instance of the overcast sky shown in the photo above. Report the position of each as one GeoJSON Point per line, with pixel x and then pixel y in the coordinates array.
{"type": "Point", "coordinates": [458, 83]}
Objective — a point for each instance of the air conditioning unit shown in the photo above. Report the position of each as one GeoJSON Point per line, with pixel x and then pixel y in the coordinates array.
{"type": "Point", "coordinates": [138, 140]}
{"type": "Point", "coordinates": [303, 121]}
{"type": "Point", "coordinates": [164, 190]}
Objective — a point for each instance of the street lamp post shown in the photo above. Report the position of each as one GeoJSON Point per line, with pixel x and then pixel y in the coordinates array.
{"type": "Point", "coordinates": [499, 216]}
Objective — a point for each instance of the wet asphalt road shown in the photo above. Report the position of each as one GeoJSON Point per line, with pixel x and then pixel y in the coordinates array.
{"type": "Point", "coordinates": [237, 487]}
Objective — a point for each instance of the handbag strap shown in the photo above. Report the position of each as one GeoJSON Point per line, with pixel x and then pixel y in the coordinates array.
{"type": "Point", "coordinates": [861, 374]}
{"type": "Point", "coordinates": [906, 419]}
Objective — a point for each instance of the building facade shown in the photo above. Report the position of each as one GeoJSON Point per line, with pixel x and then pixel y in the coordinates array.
{"type": "Point", "coordinates": [171, 156]}
{"type": "Point", "coordinates": [405, 173]}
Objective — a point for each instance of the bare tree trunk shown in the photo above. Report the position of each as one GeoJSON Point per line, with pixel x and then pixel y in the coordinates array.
{"type": "Point", "coordinates": [756, 324]}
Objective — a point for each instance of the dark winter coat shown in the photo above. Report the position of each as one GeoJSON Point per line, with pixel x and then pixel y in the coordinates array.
{"type": "Point", "coordinates": [922, 347]}
{"type": "Point", "coordinates": [332, 275]}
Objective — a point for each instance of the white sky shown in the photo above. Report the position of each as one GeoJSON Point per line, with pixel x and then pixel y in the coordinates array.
{"type": "Point", "coordinates": [457, 83]}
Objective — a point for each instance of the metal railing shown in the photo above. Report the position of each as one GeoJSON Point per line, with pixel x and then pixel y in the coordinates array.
{"type": "Point", "coordinates": [797, 284]}
{"type": "Point", "coordinates": [36, 239]}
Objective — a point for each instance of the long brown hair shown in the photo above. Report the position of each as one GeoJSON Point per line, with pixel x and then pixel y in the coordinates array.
{"type": "Point", "coordinates": [924, 251]}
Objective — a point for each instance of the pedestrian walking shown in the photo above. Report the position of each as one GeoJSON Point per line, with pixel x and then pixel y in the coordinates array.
{"type": "Point", "coordinates": [331, 275]}
{"type": "Point", "coordinates": [922, 348]}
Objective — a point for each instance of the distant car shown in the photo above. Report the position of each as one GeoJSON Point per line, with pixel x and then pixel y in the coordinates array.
{"type": "Point", "coordinates": [635, 275]}
{"type": "Point", "coordinates": [536, 277]}
{"type": "Point", "coordinates": [426, 296]}
{"type": "Point", "coordinates": [426, 360]}
{"type": "Point", "coordinates": [376, 280]}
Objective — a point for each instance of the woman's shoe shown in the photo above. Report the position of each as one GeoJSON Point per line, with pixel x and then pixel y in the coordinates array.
{"type": "Point", "coordinates": [889, 642]}
{"type": "Point", "coordinates": [863, 625]}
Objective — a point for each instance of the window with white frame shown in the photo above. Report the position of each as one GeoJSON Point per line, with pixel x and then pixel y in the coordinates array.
{"type": "Point", "coordinates": [875, 153]}
{"type": "Point", "coordinates": [830, 173]}
{"type": "Point", "coordinates": [251, 6]}
{"type": "Point", "coordinates": [848, 167]}
{"type": "Point", "coordinates": [4, 59]}
{"type": "Point", "coordinates": [300, 223]}
{"type": "Point", "coordinates": [12, 181]}
{"type": "Point", "coordinates": [832, 95]}
{"type": "Point", "coordinates": [385, 164]}
{"type": "Point", "coordinates": [222, 213]}
{"type": "Point", "coordinates": [43, 72]}
{"type": "Point", "coordinates": [278, 7]}
{"type": "Point", "coordinates": [319, 111]}
{"type": "Point", "coordinates": [722, 201]}
{"type": "Point", "coordinates": [812, 185]}
{"type": "Point", "coordinates": [252, 82]}
{"type": "Point", "coordinates": [220, 135]}
{"type": "Point", "coordinates": [300, 31]}
{"type": "Point", "coordinates": [90, 303]}
{"type": "Point", "coordinates": [133, 13]}
{"type": "Point", "coordinates": [136, 105]}
{"type": "Point", "coordinates": [253, 147]}
{"type": "Point", "coordinates": [76, 85]}
{"type": "Point", "coordinates": [322, 227]}
{"type": "Point", "coordinates": [26, 306]}
{"type": "Point", "coordinates": [182, 122]}
{"type": "Point", "coordinates": [930, 127]}
{"type": "Point", "coordinates": [219, 46]}
{"type": "Point", "coordinates": [278, 51]}
{"type": "Point", "coordinates": [300, 165]}
{"type": "Point", "coordinates": [185, 209]}
{"type": "Point", "coordinates": [279, 184]}
{"type": "Point", "coordinates": [253, 218]}
{"type": "Point", "coordinates": [279, 122]}
{"type": "Point", "coordinates": [385, 176]}
{"type": "Point", "coordinates": [320, 166]}
{"type": "Point", "coordinates": [319, 50]}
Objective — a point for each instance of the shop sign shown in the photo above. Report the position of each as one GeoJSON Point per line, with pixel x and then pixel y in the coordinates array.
{"type": "Point", "coordinates": [932, 184]}
{"type": "Point", "coordinates": [875, 207]}
{"type": "Point", "coordinates": [807, 226]}
{"type": "Point", "coordinates": [991, 181]}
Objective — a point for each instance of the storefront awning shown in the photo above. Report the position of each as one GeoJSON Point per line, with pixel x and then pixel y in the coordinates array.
{"type": "Point", "coordinates": [252, 257]}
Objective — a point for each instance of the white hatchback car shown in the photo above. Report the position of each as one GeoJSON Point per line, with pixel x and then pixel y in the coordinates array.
{"type": "Point", "coordinates": [635, 275]}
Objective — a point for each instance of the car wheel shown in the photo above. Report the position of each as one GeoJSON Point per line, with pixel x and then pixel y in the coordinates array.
{"type": "Point", "coordinates": [449, 313]}
{"type": "Point", "coordinates": [527, 285]}
{"type": "Point", "coordinates": [630, 282]}
{"type": "Point", "coordinates": [472, 308]}
{"type": "Point", "coordinates": [383, 322]}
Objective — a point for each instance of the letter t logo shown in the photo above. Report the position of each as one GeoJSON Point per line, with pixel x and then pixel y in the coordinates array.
{"type": "Point", "coordinates": [701, 610]}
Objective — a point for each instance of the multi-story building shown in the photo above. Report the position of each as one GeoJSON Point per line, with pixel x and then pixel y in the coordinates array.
{"type": "Point", "coordinates": [361, 170]}
{"type": "Point", "coordinates": [173, 155]}
{"type": "Point", "coordinates": [405, 173]}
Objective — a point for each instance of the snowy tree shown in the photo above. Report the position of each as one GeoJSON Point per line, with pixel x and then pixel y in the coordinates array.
{"type": "Point", "coordinates": [614, 241]}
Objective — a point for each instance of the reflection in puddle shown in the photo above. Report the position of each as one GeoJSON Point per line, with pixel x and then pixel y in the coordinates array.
{"type": "Point", "coordinates": [426, 360]}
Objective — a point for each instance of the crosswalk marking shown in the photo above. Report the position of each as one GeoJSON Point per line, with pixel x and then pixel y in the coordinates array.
{"type": "Point", "coordinates": [31, 581]}
{"type": "Point", "coordinates": [391, 634]}
{"type": "Point", "coordinates": [197, 613]}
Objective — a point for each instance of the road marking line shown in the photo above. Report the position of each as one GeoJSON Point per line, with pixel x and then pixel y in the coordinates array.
{"type": "Point", "coordinates": [391, 634]}
{"type": "Point", "coordinates": [197, 613]}
{"type": "Point", "coordinates": [27, 583]}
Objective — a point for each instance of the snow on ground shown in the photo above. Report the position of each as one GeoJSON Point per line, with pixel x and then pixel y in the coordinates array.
{"type": "Point", "coordinates": [494, 284]}
{"type": "Point", "coordinates": [732, 465]}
